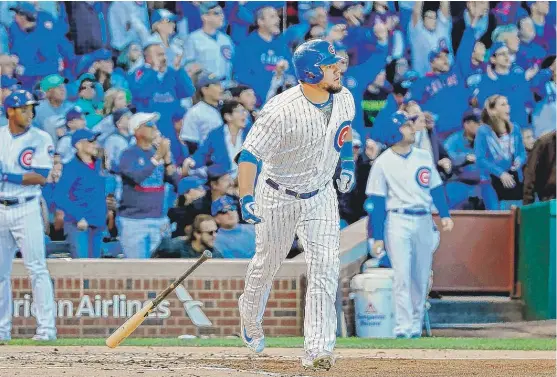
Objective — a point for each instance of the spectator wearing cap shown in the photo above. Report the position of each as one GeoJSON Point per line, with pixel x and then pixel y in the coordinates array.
{"type": "Point", "coordinates": [114, 99]}
{"type": "Point", "coordinates": [234, 240]}
{"type": "Point", "coordinates": [545, 31]}
{"type": "Point", "coordinates": [80, 194]}
{"type": "Point", "coordinates": [144, 169]}
{"type": "Point", "coordinates": [465, 188]}
{"type": "Point", "coordinates": [246, 96]}
{"type": "Point", "coordinates": [264, 50]}
{"type": "Point", "coordinates": [202, 238]}
{"type": "Point", "coordinates": [209, 47]}
{"type": "Point", "coordinates": [477, 17]}
{"type": "Point", "coordinates": [130, 58]}
{"type": "Point", "coordinates": [241, 17]}
{"type": "Point", "coordinates": [204, 116]}
{"type": "Point", "coordinates": [508, 34]}
{"type": "Point", "coordinates": [88, 99]}
{"type": "Point", "coordinates": [88, 26]}
{"type": "Point", "coordinates": [128, 22]}
{"type": "Point", "coordinates": [295, 34]}
{"type": "Point", "coordinates": [7, 84]}
{"type": "Point", "coordinates": [500, 78]}
{"type": "Point", "coordinates": [220, 184]}
{"type": "Point", "coordinates": [100, 64]}
{"type": "Point", "coordinates": [471, 51]}
{"type": "Point", "coordinates": [54, 106]}
{"type": "Point", "coordinates": [500, 153]}
{"type": "Point", "coordinates": [431, 92]}
{"type": "Point", "coordinates": [225, 142]}
{"type": "Point", "coordinates": [75, 120]}
{"type": "Point", "coordinates": [39, 45]}
{"type": "Point", "coordinates": [182, 214]}
{"type": "Point", "coordinates": [163, 24]}
{"type": "Point", "coordinates": [539, 174]}
{"type": "Point", "coordinates": [530, 53]}
{"type": "Point", "coordinates": [156, 87]}
{"type": "Point", "coordinates": [115, 144]}
{"type": "Point", "coordinates": [426, 30]}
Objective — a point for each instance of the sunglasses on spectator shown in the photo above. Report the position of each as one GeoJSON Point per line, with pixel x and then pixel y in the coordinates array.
{"type": "Point", "coordinates": [211, 232]}
{"type": "Point", "coordinates": [227, 209]}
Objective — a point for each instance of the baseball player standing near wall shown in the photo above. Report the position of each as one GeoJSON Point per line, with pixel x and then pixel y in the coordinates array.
{"type": "Point", "coordinates": [402, 185]}
{"type": "Point", "coordinates": [298, 136]}
{"type": "Point", "coordinates": [26, 156]}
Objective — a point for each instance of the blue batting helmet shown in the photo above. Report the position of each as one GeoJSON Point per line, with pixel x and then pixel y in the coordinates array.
{"type": "Point", "coordinates": [310, 56]}
{"type": "Point", "coordinates": [19, 98]}
{"type": "Point", "coordinates": [391, 134]}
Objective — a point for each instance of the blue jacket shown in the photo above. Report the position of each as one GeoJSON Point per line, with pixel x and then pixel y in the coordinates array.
{"type": "Point", "coordinates": [464, 56]}
{"type": "Point", "coordinates": [80, 193]}
{"type": "Point", "coordinates": [263, 57]}
{"type": "Point", "coordinates": [490, 155]}
{"type": "Point", "coordinates": [214, 150]}
{"type": "Point", "coordinates": [457, 147]}
{"type": "Point", "coordinates": [163, 95]}
{"type": "Point", "coordinates": [383, 124]}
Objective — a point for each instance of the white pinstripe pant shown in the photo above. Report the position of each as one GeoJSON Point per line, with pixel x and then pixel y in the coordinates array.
{"type": "Point", "coordinates": [316, 222]}
{"type": "Point", "coordinates": [21, 227]}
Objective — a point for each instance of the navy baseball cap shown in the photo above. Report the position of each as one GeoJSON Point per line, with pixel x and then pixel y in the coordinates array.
{"type": "Point", "coordinates": [400, 118]}
{"type": "Point", "coordinates": [7, 82]}
{"type": "Point", "coordinates": [189, 183]}
{"type": "Point", "coordinates": [215, 171]}
{"type": "Point", "coordinates": [442, 47]}
{"type": "Point", "coordinates": [472, 114]}
{"type": "Point", "coordinates": [84, 134]}
{"type": "Point", "coordinates": [118, 114]}
{"type": "Point", "coordinates": [206, 79]}
{"type": "Point", "coordinates": [495, 47]}
{"type": "Point", "coordinates": [162, 15]}
{"type": "Point", "coordinates": [27, 9]}
{"type": "Point", "coordinates": [223, 204]}
{"type": "Point", "coordinates": [74, 113]}
{"type": "Point", "coordinates": [19, 98]}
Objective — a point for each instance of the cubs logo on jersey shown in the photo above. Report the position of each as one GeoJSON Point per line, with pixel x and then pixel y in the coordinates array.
{"type": "Point", "coordinates": [341, 135]}
{"type": "Point", "coordinates": [422, 176]}
{"type": "Point", "coordinates": [26, 157]}
{"type": "Point", "coordinates": [226, 52]}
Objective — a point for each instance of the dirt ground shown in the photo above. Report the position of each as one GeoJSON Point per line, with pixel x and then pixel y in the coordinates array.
{"type": "Point", "coordinates": [238, 362]}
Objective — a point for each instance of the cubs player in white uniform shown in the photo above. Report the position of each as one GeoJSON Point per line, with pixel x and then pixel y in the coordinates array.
{"type": "Point", "coordinates": [26, 157]}
{"type": "Point", "coordinates": [402, 185]}
{"type": "Point", "coordinates": [298, 137]}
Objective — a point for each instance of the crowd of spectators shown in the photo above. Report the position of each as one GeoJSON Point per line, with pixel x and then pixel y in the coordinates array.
{"type": "Point", "coordinates": [149, 102]}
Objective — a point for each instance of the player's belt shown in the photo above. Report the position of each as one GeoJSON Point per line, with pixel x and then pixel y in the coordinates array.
{"type": "Point", "coordinates": [14, 201]}
{"type": "Point", "coordinates": [297, 195]}
{"type": "Point", "coordinates": [410, 211]}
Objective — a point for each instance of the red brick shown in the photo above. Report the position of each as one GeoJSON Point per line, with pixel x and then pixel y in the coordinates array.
{"type": "Point", "coordinates": [288, 304]}
{"type": "Point", "coordinates": [215, 284]}
{"type": "Point", "coordinates": [147, 284]}
{"type": "Point", "coordinates": [284, 284]}
{"type": "Point", "coordinates": [137, 284]}
{"type": "Point", "coordinates": [228, 295]}
{"type": "Point", "coordinates": [198, 284]}
{"type": "Point", "coordinates": [67, 331]}
{"type": "Point", "coordinates": [15, 284]}
{"type": "Point", "coordinates": [288, 295]}
{"type": "Point", "coordinates": [242, 284]}
{"type": "Point", "coordinates": [76, 283]}
{"type": "Point", "coordinates": [288, 322]}
{"type": "Point", "coordinates": [228, 331]}
{"type": "Point", "coordinates": [68, 283]}
{"type": "Point", "coordinates": [183, 322]}
{"type": "Point", "coordinates": [225, 284]}
{"type": "Point", "coordinates": [288, 331]}
{"type": "Point", "coordinates": [94, 284]}
{"type": "Point", "coordinates": [25, 283]}
{"type": "Point", "coordinates": [276, 285]}
{"type": "Point", "coordinates": [228, 322]}
{"type": "Point", "coordinates": [272, 304]}
{"type": "Point", "coordinates": [233, 284]}
{"type": "Point", "coordinates": [270, 322]}
{"type": "Point", "coordinates": [208, 295]}
{"type": "Point", "coordinates": [103, 284]}
{"type": "Point", "coordinates": [228, 304]}
{"type": "Point", "coordinates": [151, 331]}
{"type": "Point", "coordinates": [120, 284]}
{"type": "Point", "coordinates": [59, 283]}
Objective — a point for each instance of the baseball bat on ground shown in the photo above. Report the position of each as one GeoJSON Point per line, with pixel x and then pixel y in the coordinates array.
{"type": "Point", "coordinates": [137, 319]}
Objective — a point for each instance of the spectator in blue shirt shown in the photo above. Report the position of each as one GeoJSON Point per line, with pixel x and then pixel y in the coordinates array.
{"type": "Point", "coordinates": [157, 87]}
{"type": "Point", "coordinates": [466, 183]}
{"type": "Point", "coordinates": [115, 144]}
{"type": "Point", "coordinates": [128, 22]}
{"type": "Point", "coordinates": [88, 26]}
{"type": "Point", "coordinates": [315, 17]}
{"type": "Point", "coordinates": [234, 240]}
{"type": "Point", "coordinates": [164, 27]}
{"type": "Point", "coordinates": [204, 116]}
{"type": "Point", "coordinates": [225, 142]}
{"type": "Point", "coordinates": [530, 53]}
{"type": "Point", "coordinates": [544, 116]}
{"type": "Point", "coordinates": [499, 151]}
{"type": "Point", "coordinates": [87, 91]}
{"type": "Point", "coordinates": [54, 106]}
{"type": "Point", "coordinates": [246, 96]}
{"type": "Point", "coordinates": [114, 99]}
{"type": "Point", "coordinates": [75, 120]}
{"type": "Point", "coordinates": [7, 84]}
{"type": "Point", "coordinates": [80, 194]}
{"type": "Point", "coordinates": [40, 46]}
{"type": "Point", "coordinates": [144, 170]}
{"type": "Point", "coordinates": [545, 31]}
{"type": "Point", "coordinates": [209, 47]}
{"type": "Point", "coordinates": [264, 51]}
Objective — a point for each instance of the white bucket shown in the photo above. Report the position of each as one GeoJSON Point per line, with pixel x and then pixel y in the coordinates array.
{"type": "Point", "coordinates": [373, 303]}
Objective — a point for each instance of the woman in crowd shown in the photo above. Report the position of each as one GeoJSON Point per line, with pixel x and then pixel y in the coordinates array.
{"type": "Point", "coordinates": [114, 99]}
{"type": "Point", "coordinates": [500, 154]}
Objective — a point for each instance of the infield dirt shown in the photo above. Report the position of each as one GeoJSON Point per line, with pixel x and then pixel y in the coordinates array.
{"type": "Point", "coordinates": [49, 361]}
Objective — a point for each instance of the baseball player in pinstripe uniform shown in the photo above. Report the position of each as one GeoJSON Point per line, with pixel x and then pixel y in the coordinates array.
{"type": "Point", "coordinates": [26, 157]}
{"type": "Point", "coordinates": [298, 137]}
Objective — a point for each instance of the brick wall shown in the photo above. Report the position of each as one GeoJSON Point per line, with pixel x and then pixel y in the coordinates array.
{"type": "Point", "coordinates": [219, 297]}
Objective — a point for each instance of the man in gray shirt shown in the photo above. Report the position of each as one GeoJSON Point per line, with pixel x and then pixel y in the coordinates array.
{"type": "Point", "coordinates": [54, 106]}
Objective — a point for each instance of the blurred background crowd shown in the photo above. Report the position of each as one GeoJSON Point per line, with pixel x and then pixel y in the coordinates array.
{"type": "Point", "coordinates": [149, 102]}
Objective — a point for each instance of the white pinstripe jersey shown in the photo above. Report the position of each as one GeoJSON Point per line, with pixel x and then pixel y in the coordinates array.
{"type": "Point", "coordinates": [298, 147]}
{"type": "Point", "coordinates": [22, 153]}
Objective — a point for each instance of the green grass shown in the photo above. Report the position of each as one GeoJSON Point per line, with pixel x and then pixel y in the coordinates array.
{"type": "Point", "coordinates": [425, 343]}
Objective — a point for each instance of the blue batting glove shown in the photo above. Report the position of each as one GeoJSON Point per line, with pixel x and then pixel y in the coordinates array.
{"type": "Point", "coordinates": [248, 210]}
{"type": "Point", "coordinates": [347, 179]}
